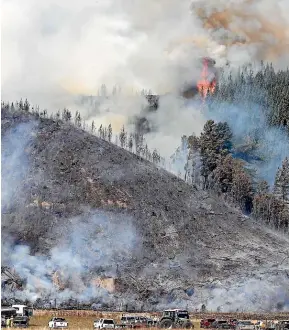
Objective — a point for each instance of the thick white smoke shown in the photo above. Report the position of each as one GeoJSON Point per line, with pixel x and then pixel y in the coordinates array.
{"type": "Point", "coordinates": [91, 246]}
{"type": "Point", "coordinates": [85, 247]}
{"type": "Point", "coordinates": [52, 51]}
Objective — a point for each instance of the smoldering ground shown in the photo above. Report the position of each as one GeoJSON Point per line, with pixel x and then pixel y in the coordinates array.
{"type": "Point", "coordinates": [94, 243]}
{"type": "Point", "coordinates": [92, 246]}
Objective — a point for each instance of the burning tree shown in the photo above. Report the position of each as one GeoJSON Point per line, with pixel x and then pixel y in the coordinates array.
{"type": "Point", "coordinates": [208, 81]}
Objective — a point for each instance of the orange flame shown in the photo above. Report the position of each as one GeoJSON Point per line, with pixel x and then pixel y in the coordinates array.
{"type": "Point", "coordinates": [205, 85]}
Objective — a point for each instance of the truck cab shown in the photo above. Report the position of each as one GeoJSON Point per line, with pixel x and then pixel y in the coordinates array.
{"type": "Point", "coordinates": [58, 322]}
{"type": "Point", "coordinates": [23, 310]}
{"type": "Point", "coordinates": [104, 323]}
{"type": "Point", "coordinates": [175, 318]}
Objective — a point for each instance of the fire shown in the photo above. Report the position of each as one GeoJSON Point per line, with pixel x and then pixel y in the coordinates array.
{"type": "Point", "coordinates": [206, 85]}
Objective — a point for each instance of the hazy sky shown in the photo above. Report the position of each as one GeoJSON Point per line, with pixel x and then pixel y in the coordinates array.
{"type": "Point", "coordinates": [53, 50]}
{"type": "Point", "coordinates": [53, 46]}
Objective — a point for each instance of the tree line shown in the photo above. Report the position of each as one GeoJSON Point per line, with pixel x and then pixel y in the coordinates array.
{"type": "Point", "coordinates": [264, 86]}
{"type": "Point", "coordinates": [132, 141]}
{"type": "Point", "coordinates": [211, 165]}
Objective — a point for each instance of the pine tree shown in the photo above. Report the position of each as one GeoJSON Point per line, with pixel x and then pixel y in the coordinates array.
{"type": "Point", "coordinates": [214, 143]}
{"type": "Point", "coordinates": [104, 133]}
{"type": "Point", "coordinates": [155, 157]}
{"type": "Point", "coordinates": [138, 138]}
{"type": "Point", "coordinates": [57, 116]}
{"type": "Point", "coordinates": [26, 106]}
{"type": "Point", "coordinates": [262, 188]}
{"type": "Point", "coordinates": [145, 151]}
{"type": "Point", "coordinates": [281, 186]}
{"type": "Point", "coordinates": [223, 174]}
{"type": "Point", "coordinates": [192, 165]}
{"type": "Point", "coordinates": [66, 115]}
{"type": "Point", "coordinates": [109, 133]}
{"type": "Point", "coordinates": [130, 142]}
{"type": "Point", "coordinates": [242, 190]}
{"type": "Point", "coordinates": [122, 137]}
{"type": "Point", "coordinates": [21, 106]}
{"type": "Point", "coordinates": [92, 127]}
{"type": "Point", "coordinates": [77, 119]}
{"type": "Point", "coordinates": [100, 131]}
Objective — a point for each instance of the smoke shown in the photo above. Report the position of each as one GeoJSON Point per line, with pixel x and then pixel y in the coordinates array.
{"type": "Point", "coordinates": [250, 128]}
{"type": "Point", "coordinates": [174, 118]}
{"type": "Point", "coordinates": [257, 292]}
{"type": "Point", "coordinates": [91, 246]}
{"type": "Point", "coordinates": [251, 30]}
{"type": "Point", "coordinates": [249, 296]}
{"type": "Point", "coordinates": [83, 247]}
{"type": "Point", "coordinates": [14, 161]}
{"type": "Point", "coordinates": [53, 52]}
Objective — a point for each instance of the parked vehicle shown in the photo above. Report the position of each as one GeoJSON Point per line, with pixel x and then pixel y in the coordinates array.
{"type": "Point", "coordinates": [7, 312]}
{"type": "Point", "coordinates": [23, 310]}
{"type": "Point", "coordinates": [58, 322]}
{"type": "Point", "coordinates": [222, 324]}
{"type": "Point", "coordinates": [206, 323]}
{"type": "Point", "coordinates": [104, 324]}
{"type": "Point", "coordinates": [21, 322]}
{"type": "Point", "coordinates": [245, 325]}
{"type": "Point", "coordinates": [233, 322]}
{"type": "Point", "coordinates": [127, 321]}
{"type": "Point", "coordinates": [282, 325]}
{"type": "Point", "coordinates": [20, 314]}
{"type": "Point", "coordinates": [175, 318]}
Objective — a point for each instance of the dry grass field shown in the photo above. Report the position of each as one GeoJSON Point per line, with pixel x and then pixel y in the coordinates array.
{"type": "Point", "coordinates": [83, 320]}
{"type": "Point", "coordinates": [74, 322]}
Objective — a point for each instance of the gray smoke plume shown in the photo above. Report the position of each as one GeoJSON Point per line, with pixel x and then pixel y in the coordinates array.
{"type": "Point", "coordinates": [250, 128]}
{"type": "Point", "coordinates": [135, 45]}
{"type": "Point", "coordinates": [268, 293]}
{"type": "Point", "coordinates": [83, 248]}
{"type": "Point", "coordinates": [91, 247]}
{"type": "Point", "coordinates": [14, 162]}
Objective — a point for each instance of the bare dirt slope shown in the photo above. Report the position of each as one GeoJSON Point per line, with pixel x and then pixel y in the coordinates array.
{"type": "Point", "coordinates": [192, 248]}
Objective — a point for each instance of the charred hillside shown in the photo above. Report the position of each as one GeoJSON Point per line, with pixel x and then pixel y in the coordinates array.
{"type": "Point", "coordinates": [188, 248]}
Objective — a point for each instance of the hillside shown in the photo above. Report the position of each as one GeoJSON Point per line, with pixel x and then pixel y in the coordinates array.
{"type": "Point", "coordinates": [167, 243]}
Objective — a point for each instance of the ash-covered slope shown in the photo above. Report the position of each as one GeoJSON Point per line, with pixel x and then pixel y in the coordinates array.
{"type": "Point", "coordinates": [168, 243]}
